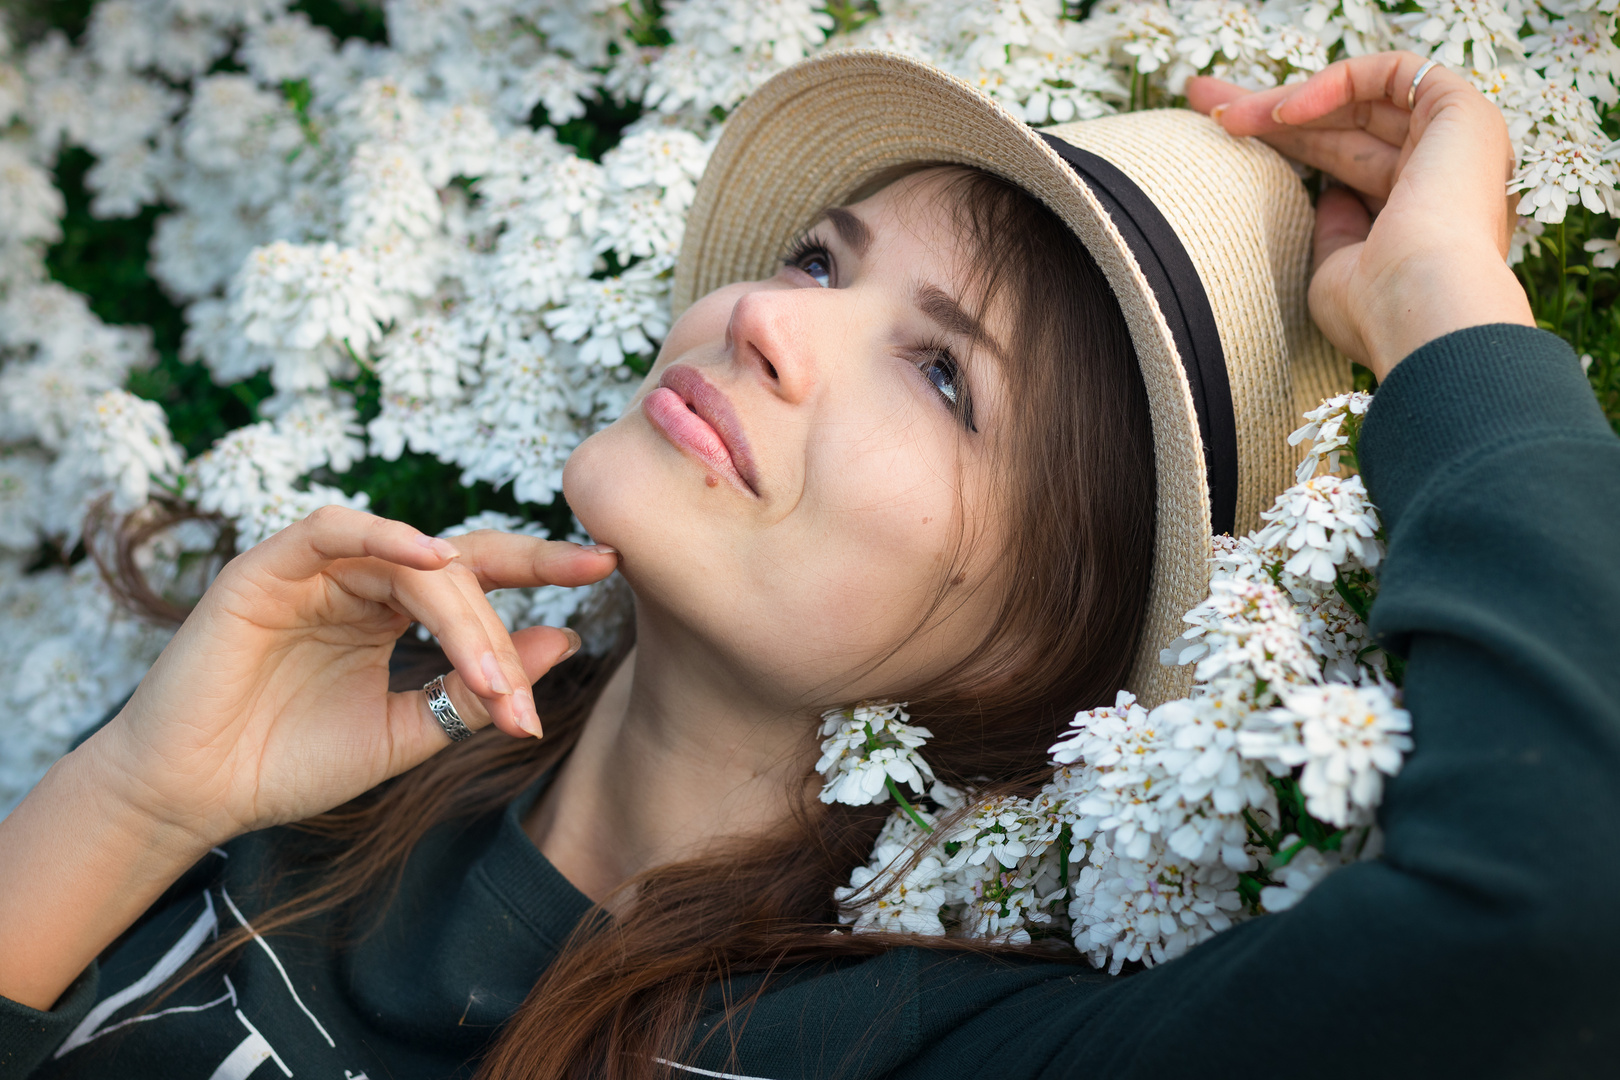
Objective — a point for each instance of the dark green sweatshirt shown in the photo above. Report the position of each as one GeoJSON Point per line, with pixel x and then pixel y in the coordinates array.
{"type": "Point", "coordinates": [1486, 941]}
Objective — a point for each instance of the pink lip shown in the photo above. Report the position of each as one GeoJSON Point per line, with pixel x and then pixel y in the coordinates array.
{"type": "Point", "coordinates": [697, 418]}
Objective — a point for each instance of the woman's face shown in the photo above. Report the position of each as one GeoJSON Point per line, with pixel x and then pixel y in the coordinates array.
{"type": "Point", "coordinates": [807, 466]}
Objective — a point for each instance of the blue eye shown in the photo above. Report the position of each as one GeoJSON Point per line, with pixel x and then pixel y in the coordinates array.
{"type": "Point", "coordinates": [941, 370]}
{"type": "Point", "coordinates": [813, 259]}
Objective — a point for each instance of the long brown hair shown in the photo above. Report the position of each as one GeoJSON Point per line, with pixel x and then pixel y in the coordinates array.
{"type": "Point", "coordinates": [1077, 476]}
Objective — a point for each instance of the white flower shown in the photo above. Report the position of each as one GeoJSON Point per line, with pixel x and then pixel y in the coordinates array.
{"type": "Point", "coordinates": [1203, 758]}
{"type": "Point", "coordinates": [1556, 174]}
{"type": "Point", "coordinates": [664, 157]}
{"type": "Point", "coordinates": [1119, 771]}
{"type": "Point", "coordinates": [23, 496]}
{"type": "Point", "coordinates": [235, 127]}
{"type": "Point", "coordinates": [1347, 737]}
{"type": "Point", "coordinates": [898, 890]}
{"type": "Point", "coordinates": [386, 194]}
{"type": "Point", "coordinates": [1605, 252]}
{"type": "Point", "coordinates": [614, 317]}
{"type": "Point", "coordinates": [279, 509]}
{"type": "Point", "coordinates": [324, 428]}
{"type": "Point", "coordinates": [237, 471]}
{"type": "Point", "coordinates": [1577, 48]}
{"type": "Point", "coordinates": [1251, 632]}
{"type": "Point", "coordinates": [286, 48]}
{"type": "Point", "coordinates": [426, 359]}
{"type": "Point", "coordinates": [866, 748]}
{"type": "Point", "coordinates": [1551, 107]}
{"type": "Point", "coordinates": [297, 299]}
{"type": "Point", "coordinates": [1454, 27]}
{"type": "Point", "coordinates": [1326, 430]}
{"type": "Point", "coordinates": [1322, 526]}
{"type": "Point", "coordinates": [556, 84]}
{"type": "Point", "coordinates": [1149, 909]}
{"type": "Point", "coordinates": [30, 205]}
{"type": "Point", "coordinates": [121, 446]}
{"type": "Point", "coordinates": [1302, 873]}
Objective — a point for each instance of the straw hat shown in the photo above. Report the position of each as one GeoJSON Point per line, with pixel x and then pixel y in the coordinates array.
{"type": "Point", "coordinates": [1204, 238]}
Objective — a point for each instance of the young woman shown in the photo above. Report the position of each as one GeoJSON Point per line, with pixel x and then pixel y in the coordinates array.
{"type": "Point", "coordinates": [957, 450]}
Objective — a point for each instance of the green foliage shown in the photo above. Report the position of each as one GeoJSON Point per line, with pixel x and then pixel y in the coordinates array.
{"type": "Point", "coordinates": [106, 260]}
{"type": "Point", "coordinates": [1576, 300]}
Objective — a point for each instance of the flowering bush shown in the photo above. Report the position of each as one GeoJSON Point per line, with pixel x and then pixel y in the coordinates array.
{"type": "Point", "coordinates": [1159, 829]}
{"type": "Point", "coordinates": [258, 256]}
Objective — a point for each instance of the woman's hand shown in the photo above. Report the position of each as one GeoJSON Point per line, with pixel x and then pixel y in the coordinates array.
{"type": "Point", "coordinates": [271, 704]}
{"type": "Point", "coordinates": [1423, 251]}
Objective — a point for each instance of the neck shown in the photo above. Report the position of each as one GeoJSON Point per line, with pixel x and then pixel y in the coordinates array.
{"type": "Point", "coordinates": [674, 757]}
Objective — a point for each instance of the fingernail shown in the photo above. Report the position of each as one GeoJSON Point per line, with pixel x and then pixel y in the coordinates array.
{"type": "Point", "coordinates": [442, 548]}
{"type": "Point", "coordinates": [1217, 112]}
{"type": "Point", "coordinates": [573, 644]}
{"type": "Point", "coordinates": [1276, 112]}
{"type": "Point", "coordinates": [600, 549]}
{"type": "Point", "coordinates": [530, 716]}
{"type": "Point", "coordinates": [492, 672]}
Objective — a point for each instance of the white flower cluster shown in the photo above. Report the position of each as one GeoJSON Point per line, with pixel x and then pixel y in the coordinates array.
{"type": "Point", "coordinates": [868, 749]}
{"type": "Point", "coordinates": [337, 210]}
{"type": "Point", "coordinates": [1139, 845]}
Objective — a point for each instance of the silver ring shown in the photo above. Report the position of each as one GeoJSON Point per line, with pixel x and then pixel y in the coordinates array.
{"type": "Point", "coordinates": [444, 711]}
{"type": "Point", "coordinates": [1411, 91]}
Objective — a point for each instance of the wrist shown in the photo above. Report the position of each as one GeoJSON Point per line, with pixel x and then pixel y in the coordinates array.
{"type": "Point", "coordinates": [1428, 299]}
{"type": "Point", "coordinates": [133, 808]}
{"type": "Point", "coordinates": [78, 865]}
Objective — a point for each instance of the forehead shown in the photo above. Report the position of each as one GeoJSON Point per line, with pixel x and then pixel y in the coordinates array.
{"type": "Point", "coordinates": [917, 210]}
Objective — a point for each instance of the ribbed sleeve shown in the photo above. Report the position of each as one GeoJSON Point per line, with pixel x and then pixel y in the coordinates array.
{"type": "Point", "coordinates": [27, 1036]}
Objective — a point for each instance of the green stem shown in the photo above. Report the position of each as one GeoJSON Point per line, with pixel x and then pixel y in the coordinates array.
{"type": "Point", "coordinates": [1286, 854]}
{"type": "Point", "coordinates": [911, 811]}
{"type": "Point", "coordinates": [1355, 602]}
{"type": "Point", "coordinates": [1265, 837]}
{"type": "Point", "coordinates": [1563, 274]}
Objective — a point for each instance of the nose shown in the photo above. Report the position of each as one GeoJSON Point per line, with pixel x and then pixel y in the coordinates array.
{"type": "Point", "coordinates": [773, 332]}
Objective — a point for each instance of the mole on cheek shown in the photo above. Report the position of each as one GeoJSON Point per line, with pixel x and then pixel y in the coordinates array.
{"type": "Point", "coordinates": [959, 578]}
{"type": "Point", "coordinates": [711, 480]}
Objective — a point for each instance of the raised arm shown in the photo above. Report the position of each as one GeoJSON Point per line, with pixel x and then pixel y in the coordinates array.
{"type": "Point", "coordinates": [269, 705]}
{"type": "Point", "coordinates": [1484, 942]}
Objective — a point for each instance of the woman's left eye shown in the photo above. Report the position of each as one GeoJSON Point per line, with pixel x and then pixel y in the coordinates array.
{"type": "Point", "coordinates": [814, 260]}
{"type": "Point", "coordinates": [940, 369]}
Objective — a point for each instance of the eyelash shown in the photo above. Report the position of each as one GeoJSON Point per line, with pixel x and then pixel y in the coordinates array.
{"type": "Point", "coordinates": [803, 248]}
{"type": "Point", "coordinates": [955, 392]}
{"type": "Point", "coordinates": [954, 389]}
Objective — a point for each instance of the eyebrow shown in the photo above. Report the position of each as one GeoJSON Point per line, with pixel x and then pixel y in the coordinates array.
{"type": "Point", "coordinates": [851, 229]}
{"type": "Point", "coordinates": [943, 309]}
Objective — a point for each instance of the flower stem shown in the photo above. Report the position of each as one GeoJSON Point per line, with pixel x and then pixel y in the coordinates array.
{"type": "Point", "coordinates": [1265, 837]}
{"type": "Point", "coordinates": [1357, 604]}
{"type": "Point", "coordinates": [911, 811]}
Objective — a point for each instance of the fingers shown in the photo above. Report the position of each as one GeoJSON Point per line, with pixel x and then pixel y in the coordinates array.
{"type": "Point", "coordinates": [1341, 220]}
{"type": "Point", "coordinates": [1358, 144]}
{"type": "Point", "coordinates": [1376, 77]}
{"type": "Point", "coordinates": [306, 547]}
{"type": "Point", "coordinates": [452, 606]}
{"type": "Point", "coordinates": [502, 560]}
{"type": "Point", "coordinates": [1355, 158]}
{"type": "Point", "coordinates": [538, 649]}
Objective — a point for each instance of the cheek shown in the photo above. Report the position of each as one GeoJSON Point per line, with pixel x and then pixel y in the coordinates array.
{"type": "Point", "coordinates": [887, 521]}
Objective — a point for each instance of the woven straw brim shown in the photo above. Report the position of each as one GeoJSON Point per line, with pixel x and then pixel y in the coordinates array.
{"type": "Point", "coordinates": [816, 133]}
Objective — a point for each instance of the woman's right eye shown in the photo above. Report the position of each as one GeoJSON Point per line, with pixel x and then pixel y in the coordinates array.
{"type": "Point", "coordinates": [814, 260]}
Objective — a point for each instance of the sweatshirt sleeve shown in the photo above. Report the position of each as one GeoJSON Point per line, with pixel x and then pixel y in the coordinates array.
{"type": "Point", "coordinates": [27, 1036]}
{"type": "Point", "coordinates": [1486, 941]}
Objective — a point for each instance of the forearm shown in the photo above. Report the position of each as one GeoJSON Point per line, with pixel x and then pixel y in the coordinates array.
{"type": "Point", "coordinates": [78, 866]}
{"type": "Point", "coordinates": [1489, 912]}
